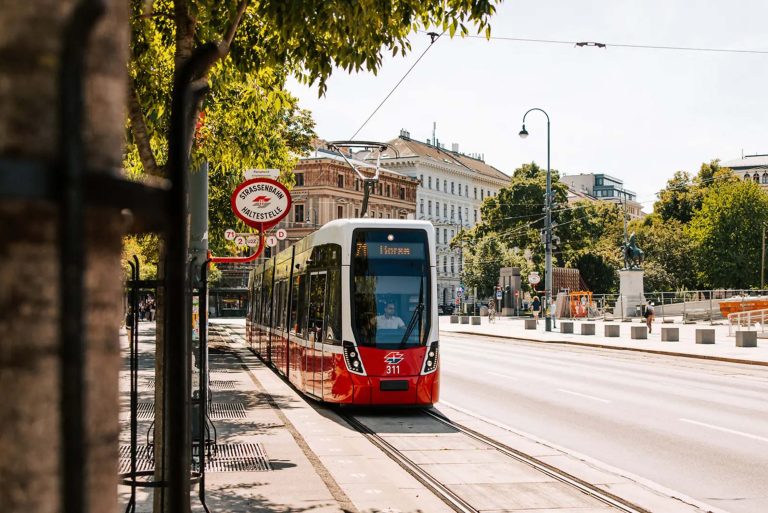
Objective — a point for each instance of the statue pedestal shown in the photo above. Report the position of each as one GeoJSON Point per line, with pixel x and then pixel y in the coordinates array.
{"type": "Point", "coordinates": [630, 293]}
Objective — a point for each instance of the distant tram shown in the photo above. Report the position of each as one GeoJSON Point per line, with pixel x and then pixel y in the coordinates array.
{"type": "Point", "coordinates": [349, 313]}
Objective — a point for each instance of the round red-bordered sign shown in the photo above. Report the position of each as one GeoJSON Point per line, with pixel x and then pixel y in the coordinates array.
{"type": "Point", "coordinates": [261, 202]}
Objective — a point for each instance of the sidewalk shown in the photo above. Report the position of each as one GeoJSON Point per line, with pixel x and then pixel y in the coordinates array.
{"type": "Point", "coordinates": [723, 349]}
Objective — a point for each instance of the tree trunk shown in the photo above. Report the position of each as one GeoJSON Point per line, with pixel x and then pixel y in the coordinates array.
{"type": "Point", "coordinates": [30, 436]}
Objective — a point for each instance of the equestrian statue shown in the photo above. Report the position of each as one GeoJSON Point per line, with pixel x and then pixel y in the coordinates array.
{"type": "Point", "coordinates": [633, 256]}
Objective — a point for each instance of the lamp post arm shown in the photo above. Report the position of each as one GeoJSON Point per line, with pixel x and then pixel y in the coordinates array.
{"type": "Point", "coordinates": [538, 109]}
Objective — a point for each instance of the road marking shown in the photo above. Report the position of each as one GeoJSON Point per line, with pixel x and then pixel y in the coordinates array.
{"type": "Point", "coordinates": [732, 431]}
{"type": "Point", "coordinates": [507, 376]}
{"type": "Point", "coordinates": [585, 396]}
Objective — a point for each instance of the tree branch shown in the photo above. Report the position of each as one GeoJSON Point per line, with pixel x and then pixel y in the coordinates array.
{"type": "Point", "coordinates": [141, 134]}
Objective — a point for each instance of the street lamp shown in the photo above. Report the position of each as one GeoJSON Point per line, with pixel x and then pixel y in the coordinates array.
{"type": "Point", "coordinates": [547, 230]}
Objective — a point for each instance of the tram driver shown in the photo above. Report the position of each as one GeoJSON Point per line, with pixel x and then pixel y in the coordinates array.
{"type": "Point", "coordinates": [389, 321]}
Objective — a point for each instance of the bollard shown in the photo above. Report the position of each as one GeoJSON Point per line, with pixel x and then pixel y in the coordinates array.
{"type": "Point", "coordinates": [588, 328]}
{"type": "Point", "coordinates": [454, 319]}
{"type": "Point", "coordinates": [566, 326]}
{"type": "Point", "coordinates": [464, 319]}
{"type": "Point", "coordinates": [612, 330]}
{"type": "Point", "coordinates": [475, 320]}
{"type": "Point", "coordinates": [530, 324]}
{"type": "Point", "coordinates": [639, 333]}
{"type": "Point", "coordinates": [746, 339]}
{"type": "Point", "coordinates": [705, 336]}
{"type": "Point", "coordinates": [670, 334]}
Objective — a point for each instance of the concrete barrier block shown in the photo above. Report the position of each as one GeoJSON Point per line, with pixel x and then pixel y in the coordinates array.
{"type": "Point", "coordinates": [612, 330]}
{"type": "Point", "coordinates": [530, 324]}
{"type": "Point", "coordinates": [639, 333]}
{"type": "Point", "coordinates": [464, 319]}
{"type": "Point", "coordinates": [670, 334]}
{"type": "Point", "coordinates": [705, 336]}
{"type": "Point", "coordinates": [566, 326]}
{"type": "Point", "coordinates": [454, 319]}
{"type": "Point", "coordinates": [746, 339]}
{"type": "Point", "coordinates": [475, 320]}
{"type": "Point", "coordinates": [588, 328]}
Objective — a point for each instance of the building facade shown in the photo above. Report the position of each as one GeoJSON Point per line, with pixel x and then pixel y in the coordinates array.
{"type": "Point", "coordinates": [327, 189]}
{"type": "Point", "coordinates": [452, 187]}
{"type": "Point", "coordinates": [750, 167]}
{"type": "Point", "coordinates": [603, 187]}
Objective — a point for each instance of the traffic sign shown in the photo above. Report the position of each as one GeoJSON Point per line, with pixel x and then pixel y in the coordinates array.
{"type": "Point", "coordinates": [252, 240]}
{"type": "Point", "coordinates": [240, 240]}
{"type": "Point", "coordinates": [261, 202]}
{"type": "Point", "coordinates": [534, 278]}
{"type": "Point", "coordinates": [498, 294]}
{"type": "Point", "coordinates": [281, 233]}
{"type": "Point", "coordinates": [459, 293]}
{"type": "Point", "coordinates": [230, 234]}
{"type": "Point", "coordinates": [458, 301]}
{"type": "Point", "coordinates": [271, 241]}
{"type": "Point", "coordinates": [250, 174]}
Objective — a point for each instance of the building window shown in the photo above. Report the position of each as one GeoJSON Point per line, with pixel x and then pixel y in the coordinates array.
{"type": "Point", "coordinates": [437, 185]}
{"type": "Point", "coordinates": [421, 180]}
{"type": "Point", "coordinates": [429, 182]}
{"type": "Point", "coordinates": [402, 193]}
{"type": "Point", "coordinates": [357, 213]}
{"type": "Point", "coordinates": [445, 185]}
{"type": "Point", "coordinates": [445, 235]}
{"type": "Point", "coordinates": [452, 212]}
{"type": "Point", "coordinates": [756, 178]}
{"type": "Point", "coordinates": [466, 213]}
{"type": "Point", "coordinates": [380, 215]}
{"type": "Point", "coordinates": [466, 191]}
{"type": "Point", "coordinates": [421, 206]}
{"type": "Point", "coordinates": [340, 181]}
{"type": "Point", "coordinates": [746, 177]}
{"type": "Point", "coordinates": [445, 210]}
{"type": "Point", "coordinates": [475, 216]}
{"type": "Point", "coordinates": [357, 184]}
{"type": "Point", "coordinates": [437, 208]}
{"type": "Point", "coordinates": [429, 207]}
{"type": "Point", "coordinates": [389, 190]}
{"type": "Point", "coordinates": [481, 195]}
{"type": "Point", "coordinates": [765, 178]}
{"type": "Point", "coordinates": [452, 188]}
{"type": "Point", "coordinates": [299, 179]}
{"type": "Point", "coordinates": [381, 189]}
{"type": "Point", "coordinates": [298, 214]}
{"type": "Point", "coordinates": [437, 236]}
{"type": "Point", "coordinates": [389, 216]}
{"type": "Point", "coordinates": [475, 192]}
{"type": "Point", "coordinates": [445, 264]}
{"type": "Point", "coordinates": [339, 212]}
{"type": "Point", "coordinates": [452, 267]}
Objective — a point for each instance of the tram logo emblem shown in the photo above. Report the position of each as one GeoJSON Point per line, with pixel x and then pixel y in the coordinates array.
{"type": "Point", "coordinates": [261, 201]}
{"type": "Point", "coordinates": [394, 357]}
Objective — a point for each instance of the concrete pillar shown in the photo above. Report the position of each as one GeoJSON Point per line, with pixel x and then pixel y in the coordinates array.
{"type": "Point", "coordinates": [566, 326]}
{"type": "Point", "coordinates": [475, 320]}
{"type": "Point", "coordinates": [670, 334]}
{"type": "Point", "coordinates": [639, 333]}
{"type": "Point", "coordinates": [612, 330]}
{"type": "Point", "coordinates": [587, 328]}
{"type": "Point", "coordinates": [530, 324]}
{"type": "Point", "coordinates": [464, 319]}
{"type": "Point", "coordinates": [705, 336]}
{"type": "Point", "coordinates": [454, 319]}
{"type": "Point", "coordinates": [746, 339]}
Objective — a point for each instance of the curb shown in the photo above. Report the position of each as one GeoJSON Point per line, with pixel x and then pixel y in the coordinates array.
{"type": "Point", "coordinates": [620, 348]}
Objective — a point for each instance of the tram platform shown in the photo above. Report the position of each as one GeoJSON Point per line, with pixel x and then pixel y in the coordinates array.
{"type": "Point", "coordinates": [280, 452]}
{"type": "Point", "coordinates": [723, 347]}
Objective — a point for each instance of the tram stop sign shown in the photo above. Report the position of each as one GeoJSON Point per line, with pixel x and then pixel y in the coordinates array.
{"type": "Point", "coordinates": [534, 278]}
{"type": "Point", "coordinates": [498, 294]}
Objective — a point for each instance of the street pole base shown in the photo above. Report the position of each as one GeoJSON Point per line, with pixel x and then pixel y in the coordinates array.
{"type": "Point", "coordinates": [548, 324]}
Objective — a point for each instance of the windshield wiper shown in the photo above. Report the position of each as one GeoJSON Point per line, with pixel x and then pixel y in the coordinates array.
{"type": "Point", "coordinates": [416, 314]}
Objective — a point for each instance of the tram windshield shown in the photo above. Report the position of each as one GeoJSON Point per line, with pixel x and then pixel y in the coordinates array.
{"type": "Point", "coordinates": [390, 288]}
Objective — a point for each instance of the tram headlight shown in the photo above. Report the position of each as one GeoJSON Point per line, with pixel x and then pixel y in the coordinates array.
{"type": "Point", "coordinates": [352, 359]}
{"type": "Point", "coordinates": [430, 363]}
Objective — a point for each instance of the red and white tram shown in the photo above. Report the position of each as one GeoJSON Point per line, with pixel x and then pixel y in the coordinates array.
{"type": "Point", "coordinates": [349, 313]}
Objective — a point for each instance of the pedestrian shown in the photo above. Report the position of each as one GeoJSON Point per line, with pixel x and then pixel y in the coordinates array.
{"type": "Point", "coordinates": [536, 306]}
{"type": "Point", "coordinates": [650, 313]}
{"type": "Point", "coordinates": [491, 311]}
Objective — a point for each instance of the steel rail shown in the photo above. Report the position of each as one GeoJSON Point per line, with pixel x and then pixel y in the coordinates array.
{"type": "Point", "coordinates": [454, 501]}
{"type": "Point", "coordinates": [549, 470]}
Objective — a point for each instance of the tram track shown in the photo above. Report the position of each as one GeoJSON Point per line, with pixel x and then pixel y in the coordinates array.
{"type": "Point", "coordinates": [453, 499]}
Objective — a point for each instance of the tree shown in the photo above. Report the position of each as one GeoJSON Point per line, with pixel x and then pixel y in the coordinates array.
{"type": "Point", "coordinates": [30, 237]}
{"type": "Point", "coordinates": [727, 232]}
{"type": "Point", "coordinates": [682, 196]}
{"type": "Point", "coordinates": [668, 248]}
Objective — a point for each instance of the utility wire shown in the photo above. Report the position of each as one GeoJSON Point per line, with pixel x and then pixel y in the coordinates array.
{"type": "Point", "coordinates": [434, 37]}
{"type": "Point", "coordinates": [623, 45]}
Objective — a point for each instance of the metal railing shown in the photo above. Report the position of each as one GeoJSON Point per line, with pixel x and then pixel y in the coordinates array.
{"type": "Point", "coordinates": [753, 320]}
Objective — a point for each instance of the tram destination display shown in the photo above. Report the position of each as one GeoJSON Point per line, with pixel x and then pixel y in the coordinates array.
{"type": "Point", "coordinates": [403, 250]}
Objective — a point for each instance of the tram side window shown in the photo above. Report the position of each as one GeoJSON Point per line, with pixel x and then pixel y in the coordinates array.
{"type": "Point", "coordinates": [299, 305]}
{"type": "Point", "coordinates": [267, 298]}
{"type": "Point", "coordinates": [316, 327]}
{"type": "Point", "coordinates": [333, 335]}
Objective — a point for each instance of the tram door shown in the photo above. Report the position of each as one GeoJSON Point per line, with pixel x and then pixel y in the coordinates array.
{"type": "Point", "coordinates": [316, 321]}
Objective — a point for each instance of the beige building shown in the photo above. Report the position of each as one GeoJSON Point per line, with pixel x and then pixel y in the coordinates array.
{"type": "Point", "coordinates": [750, 167]}
{"type": "Point", "coordinates": [327, 189]}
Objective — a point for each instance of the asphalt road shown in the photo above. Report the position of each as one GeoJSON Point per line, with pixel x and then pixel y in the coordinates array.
{"type": "Point", "coordinates": [694, 426]}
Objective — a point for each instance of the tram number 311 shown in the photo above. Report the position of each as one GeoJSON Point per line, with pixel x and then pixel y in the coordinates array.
{"type": "Point", "coordinates": [393, 369]}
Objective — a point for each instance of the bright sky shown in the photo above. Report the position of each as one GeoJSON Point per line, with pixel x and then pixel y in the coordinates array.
{"type": "Point", "coordinates": [636, 114]}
